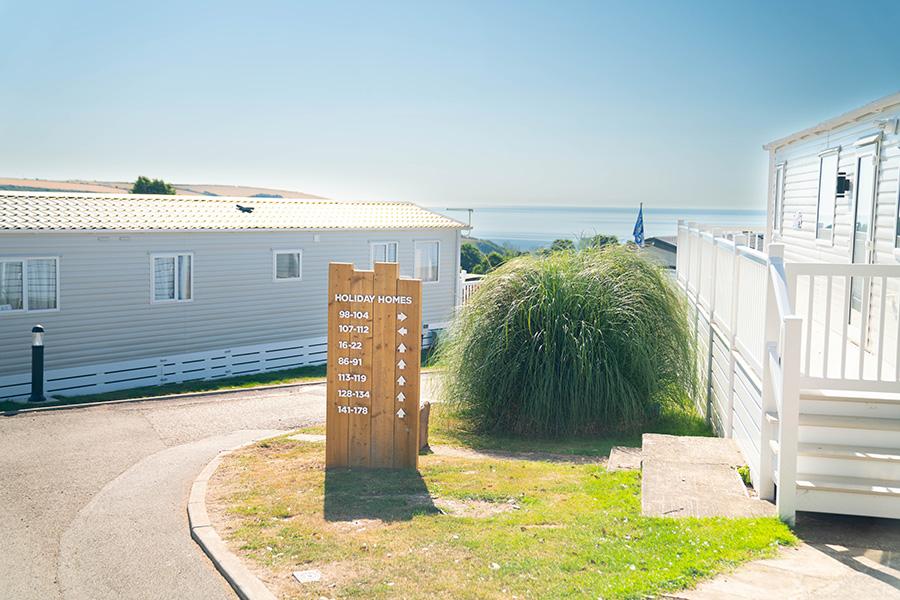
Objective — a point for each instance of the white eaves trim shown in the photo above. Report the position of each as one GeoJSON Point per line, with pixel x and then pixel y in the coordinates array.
{"type": "Point", "coordinates": [873, 108]}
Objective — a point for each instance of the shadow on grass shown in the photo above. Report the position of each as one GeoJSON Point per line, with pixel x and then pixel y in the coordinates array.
{"type": "Point", "coordinates": [448, 428]}
{"type": "Point", "coordinates": [384, 494]}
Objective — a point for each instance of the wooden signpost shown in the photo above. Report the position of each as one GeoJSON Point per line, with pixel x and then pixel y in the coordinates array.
{"type": "Point", "coordinates": [374, 350]}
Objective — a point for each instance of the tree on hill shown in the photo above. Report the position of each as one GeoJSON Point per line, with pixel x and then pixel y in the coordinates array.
{"type": "Point", "coordinates": [495, 259]}
{"type": "Point", "coordinates": [562, 244]}
{"type": "Point", "coordinates": [474, 259]}
{"type": "Point", "coordinates": [470, 257]}
{"type": "Point", "coordinates": [598, 241]}
{"type": "Point", "coordinates": [145, 185]}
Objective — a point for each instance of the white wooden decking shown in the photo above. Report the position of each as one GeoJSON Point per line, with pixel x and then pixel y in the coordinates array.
{"type": "Point", "coordinates": [807, 386]}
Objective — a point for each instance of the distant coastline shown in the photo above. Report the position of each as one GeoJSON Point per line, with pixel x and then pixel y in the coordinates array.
{"type": "Point", "coordinates": [528, 227]}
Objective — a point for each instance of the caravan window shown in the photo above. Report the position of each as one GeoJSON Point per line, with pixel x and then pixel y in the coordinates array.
{"type": "Point", "coordinates": [778, 216]}
{"type": "Point", "coordinates": [384, 252]}
{"type": "Point", "coordinates": [427, 260]}
{"type": "Point", "coordinates": [897, 232]}
{"type": "Point", "coordinates": [287, 264]}
{"type": "Point", "coordinates": [825, 206]}
{"type": "Point", "coordinates": [173, 278]}
{"type": "Point", "coordinates": [29, 284]}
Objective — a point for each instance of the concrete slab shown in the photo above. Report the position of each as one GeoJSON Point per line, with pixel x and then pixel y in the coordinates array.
{"type": "Point", "coordinates": [801, 573]}
{"type": "Point", "coordinates": [684, 476]}
{"type": "Point", "coordinates": [624, 458]}
{"type": "Point", "coordinates": [696, 450]}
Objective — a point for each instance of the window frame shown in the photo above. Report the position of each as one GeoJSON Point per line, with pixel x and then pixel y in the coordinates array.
{"type": "Point", "coordinates": [175, 255]}
{"type": "Point", "coordinates": [374, 243]}
{"type": "Point", "coordinates": [836, 152]}
{"type": "Point", "coordinates": [24, 260]}
{"type": "Point", "coordinates": [897, 219]}
{"type": "Point", "coordinates": [778, 199]}
{"type": "Point", "coordinates": [275, 253]}
{"type": "Point", "coordinates": [416, 261]}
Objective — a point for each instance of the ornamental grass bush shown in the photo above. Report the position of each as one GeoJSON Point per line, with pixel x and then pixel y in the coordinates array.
{"type": "Point", "coordinates": [570, 343]}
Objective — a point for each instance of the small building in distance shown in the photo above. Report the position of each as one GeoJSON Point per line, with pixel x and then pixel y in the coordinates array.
{"type": "Point", "coordinates": [138, 290]}
{"type": "Point", "coordinates": [663, 249]}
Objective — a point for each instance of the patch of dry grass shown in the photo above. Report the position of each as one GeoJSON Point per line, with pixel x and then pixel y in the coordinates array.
{"type": "Point", "coordinates": [464, 528]}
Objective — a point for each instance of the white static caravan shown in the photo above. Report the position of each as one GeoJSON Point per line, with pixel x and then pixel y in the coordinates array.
{"type": "Point", "coordinates": [800, 343]}
{"type": "Point", "coordinates": [833, 194]}
{"type": "Point", "coordinates": [142, 290]}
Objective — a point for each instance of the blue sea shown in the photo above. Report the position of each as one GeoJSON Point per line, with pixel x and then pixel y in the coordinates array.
{"type": "Point", "coordinates": [528, 227]}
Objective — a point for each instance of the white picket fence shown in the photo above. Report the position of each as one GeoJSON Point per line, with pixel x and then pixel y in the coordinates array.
{"type": "Point", "coordinates": [468, 283]}
{"type": "Point", "coordinates": [181, 367]}
{"type": "Point", "coordinates": [172, 368]}
{"type": "Point", "coordinates": [766, 329]}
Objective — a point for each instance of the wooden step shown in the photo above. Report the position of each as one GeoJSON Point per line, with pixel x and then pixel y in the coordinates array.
{"type": "Point", "coordinates": [849, 452]}
{"type": "Point", "coordinates": [851, 404]}
{"type": "Point", "coordinates": [849, 396]}
{"type": "Point", "coordinates": [845, 422]}
{"type": "Point", "coordinates": [849, 485]}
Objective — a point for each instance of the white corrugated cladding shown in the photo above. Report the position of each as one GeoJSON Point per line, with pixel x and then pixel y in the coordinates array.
{"type": "Point", "coordinates": [801, 177]}
{"type": "Point", "coordinates": [105, 311]}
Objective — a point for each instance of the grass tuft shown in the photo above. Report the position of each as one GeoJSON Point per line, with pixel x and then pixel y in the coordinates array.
{"type": "Point", "coordinates": [570, 343]}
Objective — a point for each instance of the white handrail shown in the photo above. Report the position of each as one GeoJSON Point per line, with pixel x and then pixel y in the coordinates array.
{"type": "Point", "coordinates": [754, 255]}
{"type": "Point", "coordinates": [795, 269]}
{"type": "Point", "coordinates": [781, 389]}
{"type": "Point", "coordinates": [777, 373]}
{"type": "Point", "coordinates": [779, 279]}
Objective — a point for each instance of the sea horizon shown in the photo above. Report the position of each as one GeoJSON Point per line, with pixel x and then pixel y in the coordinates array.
{"type": "Point", "coordinates": [529, 227]}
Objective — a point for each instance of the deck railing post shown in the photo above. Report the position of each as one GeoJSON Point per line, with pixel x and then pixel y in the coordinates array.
{"type": "Point", "coordinates": [732, 336]}
{"type": "Point", "coordinates": [789, 418]}
{"type": "Point", "coordinates": [696, 254]}
{"type": "Point", "coordinates": [711, 320]}
{"type": "Point", "coordinates": [766, 485]}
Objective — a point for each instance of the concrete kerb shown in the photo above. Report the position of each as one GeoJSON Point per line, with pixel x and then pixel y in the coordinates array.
{"type": "Point", "coordinates": [245, 584]}
{"type": "Point", "coordinates": [260, 388]}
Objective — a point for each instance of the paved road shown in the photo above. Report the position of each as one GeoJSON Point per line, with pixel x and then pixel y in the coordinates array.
{"type": "Point", "coordinates": [92, 500]}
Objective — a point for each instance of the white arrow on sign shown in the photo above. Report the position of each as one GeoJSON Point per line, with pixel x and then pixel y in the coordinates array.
{"type": "Point", "coordinates": [401, 347]}
{"type": "Point", "coordinates": [401, 381]}
{"type": "Point", "coordinates": [400, 413]}
{"type": "Point", "coordinates": [401, 317]}
{"type": "Point", "coordinates": [401, 397]}
{"type": "Point", "coordinates": [402, 331]}
{"type": "Point", "coordinates": [401, 365]}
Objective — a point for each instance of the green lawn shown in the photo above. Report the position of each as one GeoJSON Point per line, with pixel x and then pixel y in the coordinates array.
{"type": "Point", "coordinates": [467, 528]}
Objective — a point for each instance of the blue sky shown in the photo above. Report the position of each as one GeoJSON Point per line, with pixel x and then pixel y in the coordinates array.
{"type": "Point", "coordinates": [457, 103]}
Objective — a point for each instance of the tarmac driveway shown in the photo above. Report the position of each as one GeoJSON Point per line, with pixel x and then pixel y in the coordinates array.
{"type": "Point", "coordinates": [92, 500]}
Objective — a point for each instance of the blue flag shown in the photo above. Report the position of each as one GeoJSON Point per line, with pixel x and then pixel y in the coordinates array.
{"type": "Point", "coordinates": [639, 227]}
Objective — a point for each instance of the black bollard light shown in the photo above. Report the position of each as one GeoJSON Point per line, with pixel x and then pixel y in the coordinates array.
{"type": "Point", "coordinates": [37, 364]}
